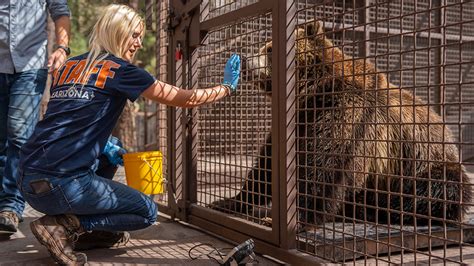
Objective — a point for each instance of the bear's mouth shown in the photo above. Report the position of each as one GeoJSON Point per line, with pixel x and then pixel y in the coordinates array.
{"type": "Point", "coordinates": [257, 70]}
{"type": "Point", "coordinates": [265, 84]}
{"type": "Point", "coordinates": [260, 79]}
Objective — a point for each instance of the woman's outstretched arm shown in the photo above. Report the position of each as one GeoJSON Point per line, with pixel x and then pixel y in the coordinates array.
{"type": "Point", "coordinates": [171, 95]}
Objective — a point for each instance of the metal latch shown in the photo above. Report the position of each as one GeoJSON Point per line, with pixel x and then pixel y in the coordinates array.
{"type": "Point", "coordinates": [183, 21]}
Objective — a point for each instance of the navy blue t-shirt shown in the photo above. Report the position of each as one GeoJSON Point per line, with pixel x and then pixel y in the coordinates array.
{"type": "Point", "coordinates": [79, 119]}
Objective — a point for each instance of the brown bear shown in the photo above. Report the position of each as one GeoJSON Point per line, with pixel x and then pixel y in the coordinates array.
{"type": "Point", "coordinates": [366, 149]}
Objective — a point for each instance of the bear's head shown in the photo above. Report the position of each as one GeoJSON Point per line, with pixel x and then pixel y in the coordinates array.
{"type": "Point", "coordinates": [311, 50]}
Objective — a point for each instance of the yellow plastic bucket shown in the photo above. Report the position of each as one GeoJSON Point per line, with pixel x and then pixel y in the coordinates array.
{"type": "Point", "coordinates": [144, 171]}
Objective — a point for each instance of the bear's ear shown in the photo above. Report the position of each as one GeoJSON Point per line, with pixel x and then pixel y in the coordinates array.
{"type": "Point", "coordinates": [314, 28]}
{"type": "Point", "coordinates": [319, 27]}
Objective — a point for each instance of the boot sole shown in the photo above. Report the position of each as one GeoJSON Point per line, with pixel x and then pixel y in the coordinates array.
{"type": "Point", "coordinates": [118, 244]}
{"type": "Point", "coordinates": [4, 231]}
{"type": "Point", "coordinates": [7, 230]}
{"type": "Point", "coordinates": [39, 232]}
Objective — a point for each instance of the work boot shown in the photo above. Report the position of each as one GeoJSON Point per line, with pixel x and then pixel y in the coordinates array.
{"type": "Point", "coordinates": [102, 239]}
{"type": "Point", "coordinates": [8, 222]}
{"type": "Point", "coordinates": [58, 234]}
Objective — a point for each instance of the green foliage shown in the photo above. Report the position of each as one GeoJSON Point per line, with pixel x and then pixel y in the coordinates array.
{"type": "Point", "coordinates": [83, 17]}
{"type": "Point", "coordinates": [146, 56]}
{"type": "Point", "coordinates": [78, 44]}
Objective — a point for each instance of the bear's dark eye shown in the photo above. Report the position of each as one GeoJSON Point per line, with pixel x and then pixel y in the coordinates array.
{"type": "Point", "coordinates": [269, 50]}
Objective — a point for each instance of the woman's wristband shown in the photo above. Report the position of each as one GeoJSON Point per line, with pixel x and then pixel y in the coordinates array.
{"type": "Point", "coordinates": [229, 89]}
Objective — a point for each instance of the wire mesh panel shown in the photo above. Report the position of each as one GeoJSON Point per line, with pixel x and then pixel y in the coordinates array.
{"type": "Point", "coordinates": [156, 136]}
{"type": "Point", "coordinates": [377, 99]}
{"type": "Point", "coordinates": [382, 98]}
{"type": "Point", "coordinates": [151, 117]}
{"type": "Point", "coordinates": [233, 131]}
{"type": "Point", "coordinates": [161, 111]}
{"type": "Point", "coordinates": [216, 8]}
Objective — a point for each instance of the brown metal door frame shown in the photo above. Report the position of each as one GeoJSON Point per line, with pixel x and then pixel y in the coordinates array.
{"type": "Point", "coordinates": [181, 34]}
{"type": "Point", "coordinates": [279, 240]}
{"type": "Point", "coordinates": [193, 210]}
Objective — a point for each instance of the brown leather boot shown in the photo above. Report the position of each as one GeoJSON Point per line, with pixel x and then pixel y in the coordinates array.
{"type": "Point", "coordinates": [58, 234]}
{"type": "Point", "coordinates": [8, 222]}
{"type": "Point", "coordinates": [102, 239]}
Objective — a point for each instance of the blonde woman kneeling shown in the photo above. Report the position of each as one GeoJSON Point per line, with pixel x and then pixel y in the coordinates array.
{"type": "Point", "coordinates": [87, 96]}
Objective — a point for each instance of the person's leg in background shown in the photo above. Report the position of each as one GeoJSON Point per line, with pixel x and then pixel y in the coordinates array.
{"type": "Point", "coordinates": [4, 102]}
{"type": "Point", "coordinates": [20, 97]}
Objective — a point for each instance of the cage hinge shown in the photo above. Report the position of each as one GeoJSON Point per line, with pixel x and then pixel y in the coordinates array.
{"type": "Point", "coordinates": [183, 21]}
{"type": "Point", "coordinates": [173, 20]}
{"type": "Point", "coordinates": [183, 209]}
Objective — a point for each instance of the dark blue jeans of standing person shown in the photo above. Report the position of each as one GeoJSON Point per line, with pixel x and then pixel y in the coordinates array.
{"type": "Point", "coordinates": [20, 98]}
{"type": "Point", "coordinates": [98, 202]}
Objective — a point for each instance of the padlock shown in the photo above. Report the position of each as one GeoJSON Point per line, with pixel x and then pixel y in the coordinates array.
{"type": "Point", "coordinates": [179, 53]}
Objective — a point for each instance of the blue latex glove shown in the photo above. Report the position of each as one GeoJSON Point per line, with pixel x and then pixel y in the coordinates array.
{"type": "Point", "coordinates": [232, 72]}
{"type": "Point", "coordinates": [113, 151]}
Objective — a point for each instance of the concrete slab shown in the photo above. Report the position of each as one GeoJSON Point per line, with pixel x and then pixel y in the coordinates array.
{"type": "Point", "coordinates": [166, 243]}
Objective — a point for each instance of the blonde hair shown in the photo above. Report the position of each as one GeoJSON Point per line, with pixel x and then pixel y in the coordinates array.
{"type": "Point", "coordinates": [109, 35]}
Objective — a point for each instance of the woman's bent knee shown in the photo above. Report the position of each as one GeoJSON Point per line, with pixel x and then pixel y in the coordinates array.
{"type": "Point", "coordinates": [152, 213]}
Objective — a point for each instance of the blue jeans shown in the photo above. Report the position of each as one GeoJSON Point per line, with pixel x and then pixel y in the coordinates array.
{"type": "Point", "coordinates": [98, 202]}
{"type": "Point", "coordinates": [20, 98]}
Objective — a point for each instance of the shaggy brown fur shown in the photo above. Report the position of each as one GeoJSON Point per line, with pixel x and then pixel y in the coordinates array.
{"type": "Point", "coordinates": [366, 145]}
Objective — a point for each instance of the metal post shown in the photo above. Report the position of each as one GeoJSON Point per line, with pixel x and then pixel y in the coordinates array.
{"type": "Point", "coordinates": [173, 129]}
{"type": "Point", "coordinates": [192, 131]}
{"type": "Point", "coordinates": [439, 60]}
{"type": "Point", "coordinates": [283, 80]}
{"type": "Point", "coordinates": [364, 13]}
